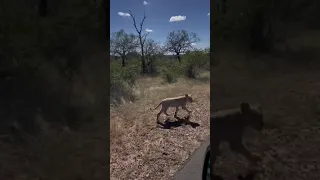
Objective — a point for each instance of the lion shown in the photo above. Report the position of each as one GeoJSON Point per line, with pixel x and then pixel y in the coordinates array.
{"type": "Point", "coordinates": [180, 101]}
{"type": "Point", "coordinates": [228, 126]}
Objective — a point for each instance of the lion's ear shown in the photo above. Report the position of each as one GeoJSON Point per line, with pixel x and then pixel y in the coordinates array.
{"type": "Point", "coordinates": [245, 107]}
{"type": "Point", "coordinates": [186, 95]}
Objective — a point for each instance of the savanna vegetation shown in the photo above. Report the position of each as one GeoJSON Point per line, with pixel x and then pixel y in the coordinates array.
{"type": "Point", "coordinates": [267, 52]}
{"type": "Point", "coordinates": [143, 72]}
{"type": "Point", "coordinates": [127, 65]}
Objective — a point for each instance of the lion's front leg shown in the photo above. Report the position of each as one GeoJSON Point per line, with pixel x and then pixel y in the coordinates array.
{"type": "Point", "coordinates": [176, 112]}
{"type": "Point", "coordinates": [186, 109]}
{"type": "Point", "coordinates": [240, 148]}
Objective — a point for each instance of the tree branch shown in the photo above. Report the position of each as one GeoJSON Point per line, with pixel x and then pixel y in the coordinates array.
{"type": "Point", "coordinates": [144, 37]}
{"type": "Point", "coordinates": [141, 24]}
{"type": "Point", "coordinates": [134, 22]}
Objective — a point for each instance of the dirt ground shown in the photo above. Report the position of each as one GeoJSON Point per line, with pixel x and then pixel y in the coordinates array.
{"type": "Point", "coordinates": [142, 149]}
{"type": "Point", "coordinates": [290, 97]}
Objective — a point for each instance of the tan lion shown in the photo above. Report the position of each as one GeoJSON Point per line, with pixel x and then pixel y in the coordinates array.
{"type": "Point", "coordinates": [180, 101]}
{"type": "Point", "coordinates": [228, 126]}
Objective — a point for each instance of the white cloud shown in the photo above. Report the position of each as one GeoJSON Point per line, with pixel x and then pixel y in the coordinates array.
{"type": "Point", "coordinates": [149, 30]}
{"type": "Point", "coordinates": [145, 3]}
{"type": "Point", "coordinates": [123, 14]}
{"type": "Point", "coordinates": [208, 14]}
{"type": "Point", "coordinates": [177, 18]}
{"type": "Point", "coordinates": [193, 44]}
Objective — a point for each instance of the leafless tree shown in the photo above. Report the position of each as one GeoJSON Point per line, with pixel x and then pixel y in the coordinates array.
{"type": "Point", "coordinates": [152, 49]}
{"type": "Point", "coordinates": [142, 38]}
{"type": "Point", "coordinates": [180, 41]}
{"type": "Point", "coordinates": [122, 43]}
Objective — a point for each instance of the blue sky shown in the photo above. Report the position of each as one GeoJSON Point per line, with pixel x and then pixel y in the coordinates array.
{"type": "Point", "coordinates": [159, 12]}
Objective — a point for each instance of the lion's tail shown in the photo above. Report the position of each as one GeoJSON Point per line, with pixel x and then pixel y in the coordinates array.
{"type": "Point", "coordinates": [157, 106]}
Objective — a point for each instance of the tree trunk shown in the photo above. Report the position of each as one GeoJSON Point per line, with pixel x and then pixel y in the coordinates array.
{"type": "Point", "coordinates": [256, 31]}
{"type": "Point", "coordinates": [43, 7]}
{"type": "Point", "coordinates": [143, 65]}
{"type": "Point", "coordinates": [224, 6]}
{"type": "Point", "coordinates": [178, 57]}
{"type": "Point", "coordinates": [123, 61]}
{"type": "Point", "coordinates": [261, 31]}
{"type": "Point", "coordinates": [143, 62]}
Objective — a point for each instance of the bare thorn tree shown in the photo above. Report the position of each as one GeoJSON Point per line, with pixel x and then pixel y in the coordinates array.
{"type": "Point", "coordinates": [180, 42]}
{"type": "Point", "coordinates": [142, 39]}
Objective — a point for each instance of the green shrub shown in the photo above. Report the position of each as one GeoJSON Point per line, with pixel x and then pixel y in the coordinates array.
{"type": "Point", "coordinates": [170, 69]}
{"type": "Point", "coordinates": [122, 80]}
{"type": "Point", "coordinates": [169, 75]}
{"type": "Point", "coordinates": [134, 68]}
{"type": "Point", "coordinates": [153, 68]}
{"type": "Point", "coordinates": [193, 62]}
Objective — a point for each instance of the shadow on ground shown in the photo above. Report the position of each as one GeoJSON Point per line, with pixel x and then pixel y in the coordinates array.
{"type": "Point", "coordinates": [179, 122]}
{"type": "Point", "coordinates": [250, 175]}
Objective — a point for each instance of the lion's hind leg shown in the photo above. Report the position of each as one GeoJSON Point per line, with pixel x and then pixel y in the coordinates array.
{"type": "Point", "coordinates": [158, 115]}
{"type": "Point", "coordinates": [163, 110]}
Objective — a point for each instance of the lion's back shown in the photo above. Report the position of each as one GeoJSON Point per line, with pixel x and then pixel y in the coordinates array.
{"type": "Point", "coordinates": [172, 101]}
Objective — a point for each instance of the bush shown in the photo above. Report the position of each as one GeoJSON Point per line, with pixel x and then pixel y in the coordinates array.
{"type": "Point", "coordinates": [193, 62]}
{"type": "Point", "coordinates": [170, 69]}
{"type": "Point", "coordinates": [169, 75]}
{"type": "Point", "coordinates": [122, 80]}
{"type": "Point", "coordinates": [153, 68]}
{"type": "Point", "coordinates": [134, 68]}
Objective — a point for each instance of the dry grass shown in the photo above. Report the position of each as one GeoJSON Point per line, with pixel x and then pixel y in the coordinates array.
{"type": "Point", "coordinates": [290, 98]}
{"type": "Point", "coordinates": [141, 149]}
